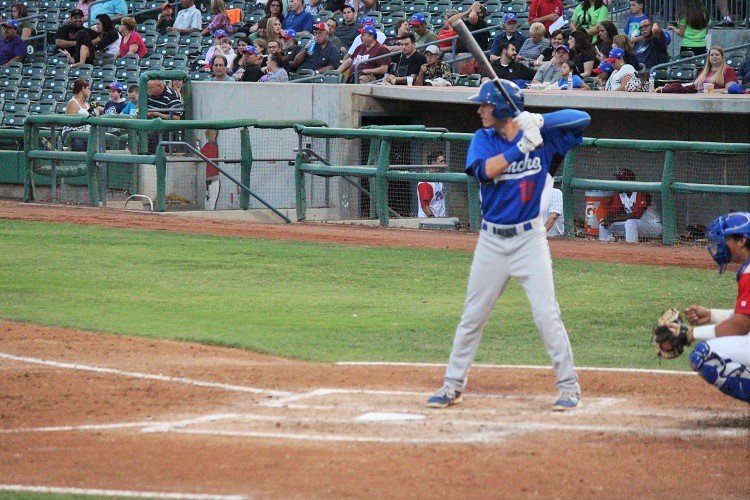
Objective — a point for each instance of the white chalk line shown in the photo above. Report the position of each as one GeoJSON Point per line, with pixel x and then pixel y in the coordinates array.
{"type": "Point", "coordinates": [115, 493]}
{"type": "Point", "coordinates": [524, 367]}
{"type": "Point", "coordinates": [146, 376]}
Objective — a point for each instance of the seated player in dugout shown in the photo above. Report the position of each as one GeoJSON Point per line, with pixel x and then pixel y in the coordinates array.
{"type": "Point", "coordinates": [631, 214]}
{"type": "Point", "coordinates": [431, 195]}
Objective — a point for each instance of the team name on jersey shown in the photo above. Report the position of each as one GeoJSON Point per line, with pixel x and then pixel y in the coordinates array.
{"type": "Point", "coordinates": [519, 169]}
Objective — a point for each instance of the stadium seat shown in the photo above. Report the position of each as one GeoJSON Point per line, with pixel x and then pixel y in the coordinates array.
{"type": "Point", "coordinates": [57, 70]}
{"type": "Point", "coordinates": [685, 73]}
{"type": "Point", "coordinates": [83, 71]}
{"type": "Point", "coordinates": [437, 8]}
{"type": "Point", "coordinates": [44, 107]}
{"type": "Point", "coordinates": [170, 38]}
{"type": "Point", "coordinates": [10, 82]}
{"type": "Point", "coordinates": [36, 68]}
{"type": "Point", "coordinates": [154, 61]}
{"type": "Point", "coordinates": [127, 73]}
{"type": "Point", "coordinates": [58, 95]}
{"type": "Point", "coordinates": [32, 94]}
{"type": "Point", "coordinates": [201, 75]}
{"type": "Point", "coordinates": [333, 76]}
{"type": "Point", "coordinates": [735, 61]}
{"type": "Point", "coordinates": [14, 68]}
{"type": "Point", "coordinates": [167, 50]}
{"type": "Point", "coordinates": [191, 39]}
{"type": "Point", "coordinates": [392, 6]}
{"type": "Point", "coordinates": [36, 82]}
{"type": "Point", "coordinates": [150, 40]}
{"type": "Point", "coordinates": [414, 6]}
{"type": "Point", "coordinates": [178, 61]}
{"type": "Point", "coordinates": [147, 27]}
{"type": "Point", "coordinates": [106, 72]}
{"type": "Point", "coordinates": [16, 106]}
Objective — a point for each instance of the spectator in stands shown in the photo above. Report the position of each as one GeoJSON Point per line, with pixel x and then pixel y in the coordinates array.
{"type": "Point", "coordinates": [366, 21]}
{"type": "Point", "coordinates": [297, 19]}
{"type": "Point", "coordinates": [260, 29]}
{"type": "Point", "coordinates": [716, 73]}
{"type": "Point", "coordinates": [602, 73]}
{"type": "Point", "coordinates": [409, 62]}
{"type": "Point", "coordinates": [19, 11]}
{"type": "Point", "coordinates": [115, 9]}
{"type": "Point", "coordinates": [510, 35]}
{"type": "Point", "coordinates": [78, 105]}
{"type": "Point", "coordinates": [313, 7]}
{"type": "Point", "coordinates": [368, 71]}
{"type": "Point", "coordinates": [447, 32]}
{"type": "Point", "coordinates": [365, 6]}
{"type": "Point", "coordinates": [556, 39]}
{"type": "Point", "coordinates": [132, 42]}
{"type": "Point", "coordinates": [65, 37]}
{"type": "Point", "coordinates": [581, 53]}
{"type": "Point", "coordinates": [165, 19]}
{"type": "Point", "coordinates": [105, 38]}
{"type": "Point", "coordinates": [507, 67]}
{"type": "Point", "coordinates": [545, 12]}
{"type": "Point", "coordinates": [567, 68]}
{"type": "Point", "coordinates": [177, 85]}
{"type": "Point", "coordinates": [474, 19]}
{"type": "Point", "coordinates": [606, 31]}
{"type": "Point", "coordinates": [633, 25]}
{"type": "Point", "coordinates": [587, 15]}
{"type": "Point", "coordinates": [250, 70]}
{"type": "Point", "coordinates": [434, 69]}
{"type": "Point", "coordinates": [260, 45]}
{"type": "Point", "coordinates": [622, 72]}
{"type": "Point", "coordinates": [219, 69]}
{"type": "Point", "coordinates": [12, 47]}
{"type": "Point", "coordinates": [162, 99]}
{"type": "Point", "coordinates": [549, 72]}
{"type": "Point", "coordinates": [402, 29]}
{"type": "Point", "coordinates": [347, 31]}
{"type": "Point", "coordinates": [652, 47]}
{"type": "Point", "coordinates": [274, 31]}
{"type": "Point", "coordinates": [726, 19]}
{"type": "Point", "coordinates": [275, 71]}
{"type": "Point", "coordinates": [534, 45]}
{"type": "Point", "coordinates": [290, 47]}
{"type": "Point", "coordinates": [220, 20]}
{"type": "Point", "coordinates": [333, 25]}
{"type": "Point", "coordinates": [424, 34]}
{"type": "Point", "coordinates": [216, 48]}
{"type": "Point", "coordinates": [623, 42]}
{"type": "Point", "coordinates": [631, 214]}
{"type": "Point", "coordinates": [692, 26]}
{"type": "Point", "coordinates": [84, 6]}
{"type": "Point", "coordinates": [117, 102]}
{"type": "Point", "coordinates": [188, 19]}
{"type": "Point", "coordinates": [324, 56]}
{"type": "Point", "coordinates": [131, 108]}
{"type": "Point", "coordinates": [553, 215]}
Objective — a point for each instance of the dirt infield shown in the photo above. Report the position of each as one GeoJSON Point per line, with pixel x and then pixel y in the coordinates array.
{"type": "Point", "coordinates": [85, 411]}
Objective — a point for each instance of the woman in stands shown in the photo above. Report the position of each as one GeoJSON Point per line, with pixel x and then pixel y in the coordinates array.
{"type": "Point", "coordinates": [587, 15]}
{"type": "Point", "coordinates": [581, 53]}
{"type": "Point", "coordinates": [606, 31]}
{"type": "Point", "coordinates": [220, 21]}
{"type": "Point", "coordinates": [19, 11]}
{"type": "Point", "coordinates": [275, 71]}
{"type": "Point", "coordinates": [716, 72]}
{"type": "Point", "coordinates": [623, 42]}
{"type": "Point", "coordinates": [556, 39]}
{"type": "Point", "coordinates": [79, 105]}
{"type": "Point", "coordinates": [692, 26]}
{"type": "Point", "coordinates": [534, 45]}
{"type": "Point", "coordinates": [131, 42]}
{"type": "Point", "coordinates": [273, 31]}
{"type": "Point", "coordinates": [105, 38]}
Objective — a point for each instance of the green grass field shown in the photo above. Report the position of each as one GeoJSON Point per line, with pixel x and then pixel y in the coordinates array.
{"type": "Point", "coordinates": [324, 302]}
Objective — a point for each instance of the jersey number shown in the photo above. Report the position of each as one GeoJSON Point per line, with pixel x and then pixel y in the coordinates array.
{"type": "Point", "coordinates": [527, 191]}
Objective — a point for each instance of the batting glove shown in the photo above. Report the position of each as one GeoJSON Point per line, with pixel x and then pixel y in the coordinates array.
{"type": "Point", "coordinates": [527, 121]}
{"type": "Point", "coordinates": [531, 140]}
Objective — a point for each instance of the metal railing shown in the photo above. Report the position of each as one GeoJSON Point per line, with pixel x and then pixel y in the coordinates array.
{"type": "Point", "coordinates": [678, 62]}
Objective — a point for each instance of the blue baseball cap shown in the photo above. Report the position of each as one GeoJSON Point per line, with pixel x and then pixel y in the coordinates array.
{"type": "Point", "coordinates": [735, 88]}
{"type": "Point", "coordinates": [116, 86]}
{"type": "Point", "coordinates": [615, 54]}
{"type": "Point", "coordinates": [367, 20]}
{"type": "Point", "coordinates": [604, 67]}
{"type": "Point", "coordinates": [369, 29]}
{"type": "Point", "coordinates": [510, 17]}
{"type": "Point", "coordinates": [220, 34]}
{"type": "Point", "coordinates": [563, 47]}
{"type": "Point", "coordinates": [288, 34]}
{"type": "Point", "coordinates": [11, 23]}
{"type": "Point", "coordinates": [417, 18]}
{"type": "Point", "coordinates": [250, 49]}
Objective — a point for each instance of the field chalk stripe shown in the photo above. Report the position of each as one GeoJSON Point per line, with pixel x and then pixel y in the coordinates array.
{"type": "Point", "coordinates": [147, 376]}
{"type": "Point", "coordinates": [116, 493]}
{"type": "Point", "coordinates": [523, 367]}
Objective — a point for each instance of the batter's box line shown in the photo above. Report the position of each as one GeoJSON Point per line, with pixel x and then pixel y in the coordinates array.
{"type": "Point", "coordinates": [58, 490]}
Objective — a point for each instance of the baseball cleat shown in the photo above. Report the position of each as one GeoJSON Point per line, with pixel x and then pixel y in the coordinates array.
{"type": "Point", "coordinates": [445, 397]}
{"type": "Point", "coordinates": [567, 401]}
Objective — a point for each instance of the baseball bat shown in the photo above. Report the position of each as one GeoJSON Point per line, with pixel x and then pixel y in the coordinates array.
{"type": "Point", "coordinates": [465, 35]}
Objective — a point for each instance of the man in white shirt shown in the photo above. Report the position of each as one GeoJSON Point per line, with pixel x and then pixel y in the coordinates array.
{"type": "Point", "coordinates": [622, 73]}
{"type": "Point", "coordinates": [553, 215]}
{"type": "Point", "coordinates": [188, 19]}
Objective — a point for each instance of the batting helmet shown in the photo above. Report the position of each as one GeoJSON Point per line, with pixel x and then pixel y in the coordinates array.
{"type": "Point", "coordinates": [489, 94]}
{"type": "Point", "coordinates": [734, 223]}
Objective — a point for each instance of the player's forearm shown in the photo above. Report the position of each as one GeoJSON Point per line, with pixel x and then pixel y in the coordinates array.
{"type": "Point", "coordinates": [566, 118]}
{"type": "Point", "coordinates": [738, 324]}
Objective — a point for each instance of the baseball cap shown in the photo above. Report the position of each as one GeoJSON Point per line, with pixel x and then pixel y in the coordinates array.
{"type": "Point", "coordinates": [563, 47]}
{"type": "Point", "coordinates": [510, 17]}
{"type": "Point", "coordinates": [76, 12]}
{"type": "Point", "coordinates": [625, 174]}
{"type": "Point", "coordinates": [320, 26]}
{"type": "Point", "coordinates": [604, 66]}
{"type": "Point", "coordinates": [250, 49]}
{"type": "Point", "coordinates": [735, 88]}
{"type": "Point", "coordinates": [11, 23]}
{"type": "Point", "coordinates": [417, 18]}
{"type": "Point", "coordinates": [289, 34]}
{"type": "Point", "coordinates": [167, 6]}
{"type": "Point", "coordinates": [615, 54]}
{"type": "Point", "coordinates": [220, 34]}
{"type": "Point", "coordinates": [367, 20]}
{"type": "Point", "coordinates": [433, 49]}
{"type": "Point", "coordinates": [116, 86]}
{"type": "Point", "coordinates": [369, 30]}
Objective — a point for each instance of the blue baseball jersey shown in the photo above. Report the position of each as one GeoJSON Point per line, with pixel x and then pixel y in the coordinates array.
{"type": "Point", "coordinates": [514, 196]}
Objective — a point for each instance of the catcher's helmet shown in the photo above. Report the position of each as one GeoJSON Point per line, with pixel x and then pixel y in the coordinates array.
{"type": "Point", "coordinates": [489, 94]}
{"type": "Point", "coordinates": [734, 223]}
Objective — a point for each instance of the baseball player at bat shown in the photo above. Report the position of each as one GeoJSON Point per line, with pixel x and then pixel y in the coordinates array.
{"type": "Point", "coordinates": [510, 157]}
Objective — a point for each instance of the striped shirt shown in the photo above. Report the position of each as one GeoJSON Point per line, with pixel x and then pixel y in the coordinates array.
{"type": "Point", "coordinates": [166, 100]}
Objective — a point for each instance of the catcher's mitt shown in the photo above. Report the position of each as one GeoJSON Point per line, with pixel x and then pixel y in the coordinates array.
{"type": "Point", "coordinates": [669, 345]}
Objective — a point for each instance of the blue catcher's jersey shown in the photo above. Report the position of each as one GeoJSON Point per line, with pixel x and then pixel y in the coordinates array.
{"type": "Point", "coordinates": [514, 196]}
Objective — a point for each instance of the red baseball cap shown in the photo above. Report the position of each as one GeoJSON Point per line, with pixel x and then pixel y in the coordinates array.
{"type": "Point", "coordinates": [320, 26]}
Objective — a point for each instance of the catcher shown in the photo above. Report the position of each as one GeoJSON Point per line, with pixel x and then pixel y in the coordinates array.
{"type": "Point", "coordinates": [722, 355]}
